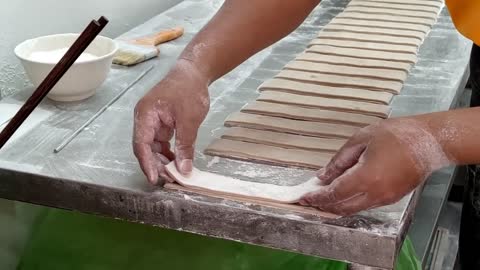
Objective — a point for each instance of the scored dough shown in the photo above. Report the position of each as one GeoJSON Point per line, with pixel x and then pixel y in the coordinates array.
{"type": "Point", "coordinates": [378, 24]}
{"type": "Point", "coordinates": [376, 38]}
{"type": "Point", "coordinates": [268, 154]}
{"type": "Point", "coordinates": [387, 18]}
{"type": "Point", "coordinates": [309, 89]}
{"type": "Point", "coordinates": [366, 45]}
{"type": "Point", "coordinates": [364, 54]}
{"type": "Point", "coordinates": [227, 185]}
{"type": "Point", "coordinates": [353, 62]}
{"type": "Point", "coordinates": [308, 114]}
{"type": "Point", "coordinates": [341, 81]}
{"type": "Point", "coordinates": [379, 110]}
{"type": "Point", "coordinates": [437, 4]}
{"type": "Point", "coordinates": [283, 140]}
{"type": "Point", "coordinates": [374, 30]}
{"type": "Point", "coordinates": [396, 12]}
{"type": "Point", "coordinates": [374, 73]}
{"type": "Point", "coordinates": [361, 3]}
{"type": "Point", "coordinates": [316, 129]}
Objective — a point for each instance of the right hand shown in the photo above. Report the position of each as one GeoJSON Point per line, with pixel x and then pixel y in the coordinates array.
{"type": "Point", "coordinates": [176, 105]}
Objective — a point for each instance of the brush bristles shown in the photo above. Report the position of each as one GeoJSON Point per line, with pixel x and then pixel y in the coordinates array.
{"type": "Point", "coordinates": [128, 58]}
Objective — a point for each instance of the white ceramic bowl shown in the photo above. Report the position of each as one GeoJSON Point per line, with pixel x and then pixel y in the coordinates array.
{"type": "Point", "coordinates": [39, 55]}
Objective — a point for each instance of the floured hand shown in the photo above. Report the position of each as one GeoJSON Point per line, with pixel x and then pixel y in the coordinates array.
{"type": "Point", "coordinates": [177, 105]}
{"type": "Point", "coordinates": [378, 166]}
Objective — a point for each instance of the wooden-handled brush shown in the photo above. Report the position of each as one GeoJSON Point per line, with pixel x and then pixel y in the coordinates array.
{"type": "Point", "coordinates": [138, 50]}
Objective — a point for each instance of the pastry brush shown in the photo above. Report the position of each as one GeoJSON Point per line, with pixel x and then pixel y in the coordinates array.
{"type": "Point", "coordinates": [138, 50]}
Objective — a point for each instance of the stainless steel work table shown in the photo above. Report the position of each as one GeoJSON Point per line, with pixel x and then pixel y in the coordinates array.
{"type": "Point", "coordinates": [98, 173]}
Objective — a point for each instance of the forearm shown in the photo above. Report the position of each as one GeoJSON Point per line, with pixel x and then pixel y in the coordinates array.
{"type": "Point", "coordinates": [240, 29]}
{"type": "Point", "coordinates": [458, 132]}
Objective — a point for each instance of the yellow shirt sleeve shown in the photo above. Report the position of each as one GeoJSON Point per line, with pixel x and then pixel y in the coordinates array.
{"type": "Point", "coordinates": [466, 17]}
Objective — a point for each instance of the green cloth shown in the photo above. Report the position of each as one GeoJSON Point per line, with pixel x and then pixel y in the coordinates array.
{"type": "Point", "coordinates": [68, 240]}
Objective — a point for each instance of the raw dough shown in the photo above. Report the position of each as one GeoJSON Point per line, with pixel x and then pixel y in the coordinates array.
{"type": "Point", "coordinates": [341, 81]}
{"type": "Point", "coordinates": [379, 110]}
{"type": "Point", "coordinates": [316, 129]}
{"type": "Point", "coordinates": [307, 114]}
{"type": "Point", "coordinates": [227, 185]}
{"type": "Point", "coordinates": [374, 30]}
{"type": "Point", "coordinates": [362, 3]}
{"type": "Point", "coordinates": [374, 73]}
{"type": "Point", "coordinates": [378, 24]}
{"type": "Point", "coordinates": [376, 38]}
{"type": "Point", "coordinates": [268, 154]}
{"type": "Point", "coordinates": [364, 54]}
{"type": "Point", "coordinates": [353, 62]}
{"type": "Point", "coordinates": [308, 89]}
{"type": "Point", "coordinates": [366, 45]}
{"type": "Point", "coordinates": [283, 140]}
{"type": "Point", "coordinates": [386, 18]}
{"type": "Point", "coordinates": [396, 12]}
{"type": "Point", "coordinates": [282, 206]}
{"type": "Point", "coordinates": [437, 4]}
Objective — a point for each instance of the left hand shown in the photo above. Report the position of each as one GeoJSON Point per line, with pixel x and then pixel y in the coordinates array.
{"type": "Point", "coordinates": [378, 166]}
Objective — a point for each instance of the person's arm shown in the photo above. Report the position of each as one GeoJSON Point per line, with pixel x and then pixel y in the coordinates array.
{"type": "Point", "coordinates": [180, 102]}
{"type": "Point", "coordinates": [384, 162]}
{"type": "Point", "coordinates": [242, 28]}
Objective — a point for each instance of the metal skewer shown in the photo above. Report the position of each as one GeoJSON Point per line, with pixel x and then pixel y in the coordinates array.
{"type": "Point", "coordinates": [6, 121]}
{"type": "Point", "coordinates": [99, 112]}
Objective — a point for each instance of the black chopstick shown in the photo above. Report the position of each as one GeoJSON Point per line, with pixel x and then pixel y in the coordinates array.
{"type": "Point", "coordinates": [78, 47]}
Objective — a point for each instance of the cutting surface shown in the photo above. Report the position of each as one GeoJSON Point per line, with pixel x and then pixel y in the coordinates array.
{"type": "Point", "coordinates": [98, 172]}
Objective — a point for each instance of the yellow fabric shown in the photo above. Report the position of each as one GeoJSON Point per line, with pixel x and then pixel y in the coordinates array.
{"type": "Point", "coordinates": [466, 17]}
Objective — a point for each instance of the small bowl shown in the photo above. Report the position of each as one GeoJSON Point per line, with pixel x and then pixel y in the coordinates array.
{"type": "Point", "coordinates": [39, 55]}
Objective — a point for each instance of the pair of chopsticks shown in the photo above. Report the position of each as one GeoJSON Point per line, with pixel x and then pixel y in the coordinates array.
{"type": "Point", "coordinates": [78, 47]}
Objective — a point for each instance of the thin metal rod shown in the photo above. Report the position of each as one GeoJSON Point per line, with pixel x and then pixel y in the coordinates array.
{"type": "Point", "coordinates": [6, 121]}
{"type": "Point", "coordinates": [99, 112]}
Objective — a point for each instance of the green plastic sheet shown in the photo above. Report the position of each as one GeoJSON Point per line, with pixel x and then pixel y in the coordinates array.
{"type": "Point", "coordinates": [69, 240]}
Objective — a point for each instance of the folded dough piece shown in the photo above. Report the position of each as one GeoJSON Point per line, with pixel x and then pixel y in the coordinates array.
{"type": "Point", "coordinates": [366, 45]}
{"type": "Point", "coordinates": [362, 72]}
{"type": "Point", "coordinates": [353, 62]}
{"type": "Point", "coordinates": [220, 184]}
{"type": "Point", "coordinates": [379, 24]}
{"type": "Point", "coordinates": [374, 30]}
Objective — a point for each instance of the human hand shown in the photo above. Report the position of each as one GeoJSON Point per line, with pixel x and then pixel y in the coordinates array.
{"type": "Point", "coordinates": [378, 166]}
{"type": "Point", "coordinates": [178, 104]}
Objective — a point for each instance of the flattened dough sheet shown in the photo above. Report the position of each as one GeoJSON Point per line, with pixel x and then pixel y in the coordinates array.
{"type": "Point", "coordinates": [314, 129]}
{"type": "Point", "coordinates": [227, 185]}
{"type": "Point", "coordinates": [379, 24]}
{"type": "Point", "coordinates": [341, 81]}
{"type": "Point", "coordinates": [256, 201]}
{"type": "Point", "coordinates": [358, 107]}
{"type": "Point", "coordinates": [268, 154]}
{"type": "Point", "coordinates": [374, 30]}
{"type": "Point", "coordinates": [363, 54]}
{"type": "Point", "coordinates": [365, 45]}
{"type": "Point", "coordinates": [309, 89]}
{"type": "Point", "coordinates": [353, 62]}
{"type": "Point", "coordinates": [362, 72]}
{"type": "Point", "coordinates": [386, 18]}
{"type": "Point", "coordinates": [376, 38]}
{"type": "Point", "coordinates": [309, 114]}
{"type": "Point", "coordinates": [284, 140]}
